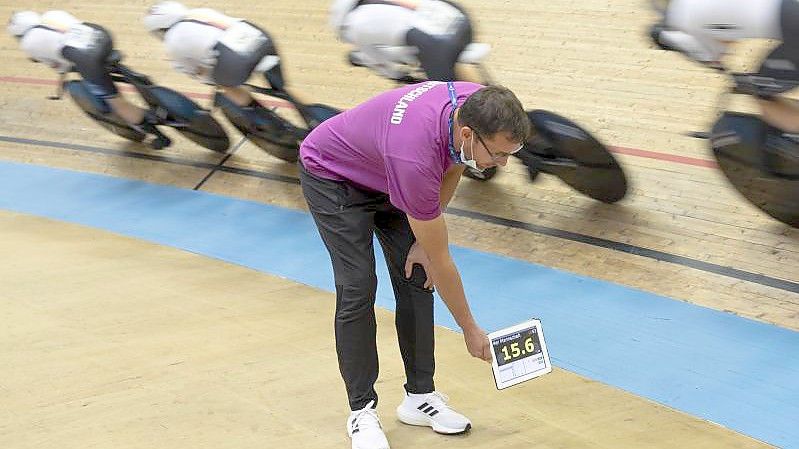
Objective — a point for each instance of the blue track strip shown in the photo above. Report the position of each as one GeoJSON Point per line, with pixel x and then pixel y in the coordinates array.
{"type": "Point", "coordinates": [734, 371]}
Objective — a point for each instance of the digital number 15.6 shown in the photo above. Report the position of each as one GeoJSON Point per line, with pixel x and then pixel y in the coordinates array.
{"type": "Point", "coordinates": [513, 351]}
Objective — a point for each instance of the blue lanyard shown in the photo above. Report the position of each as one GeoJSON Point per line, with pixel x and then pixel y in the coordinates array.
{"type": "Point", "coordinates": [453, 98]}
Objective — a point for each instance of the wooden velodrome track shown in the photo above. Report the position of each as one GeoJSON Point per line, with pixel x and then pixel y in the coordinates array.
{"type": "Point", "coordinates": [681, 232]}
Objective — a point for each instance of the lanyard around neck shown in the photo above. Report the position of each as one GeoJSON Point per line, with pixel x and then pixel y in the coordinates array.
{"type": "Point", "coordinates": [453, 98]}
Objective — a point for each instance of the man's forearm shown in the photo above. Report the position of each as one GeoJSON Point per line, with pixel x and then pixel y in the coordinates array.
{"type": "Point", "coordinates": [448, 186]}
{"type": "Point", "coordinates": [450, 288]}
{"type": "Point", "coordinates": [446, 197]}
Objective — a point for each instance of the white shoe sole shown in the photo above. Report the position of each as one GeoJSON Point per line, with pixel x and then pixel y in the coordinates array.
{"type": "Point", "coordinates": [414, 419]}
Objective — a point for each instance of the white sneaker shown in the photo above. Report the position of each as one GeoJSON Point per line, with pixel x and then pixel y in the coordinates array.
{"type": "Point", "coordinates": [364, 428]}
{"type": "Point", "coordinates": [431, 410]}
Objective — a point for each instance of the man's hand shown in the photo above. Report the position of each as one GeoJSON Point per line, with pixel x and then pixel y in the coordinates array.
{"type": "Point", "coordinates": [432, 237]}
{"type": "Point", "coordinates": [417, 255]}
{"type": "Point", "coordinates": [477, 343]}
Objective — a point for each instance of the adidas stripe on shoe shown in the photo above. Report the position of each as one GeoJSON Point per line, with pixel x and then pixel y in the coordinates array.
{"type": "Point", "coordinates": [431, 410]}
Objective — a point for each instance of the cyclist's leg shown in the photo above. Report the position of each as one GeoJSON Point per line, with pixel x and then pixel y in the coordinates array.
{"type": "Point", "coordinates": [438, 53]}
{"type": "Point", "coordinates": [782, 113]}
{"type": "Point", "coordinates": [238, 95]}
{"type": "Point", "coordinates": [435, 55]}
{"type": "Point", "coordinates": [89, 55]}
{"type": "Point", "coordinates": [129, 112]}
{"type": "Point", "coordinates": [468, 72]}
{"type": "Point", "coordinates": [782, 65]}
{"type": "Point", "coordinates": [239, 52]}
{"type": "Point", "coordinates": [783, 62]}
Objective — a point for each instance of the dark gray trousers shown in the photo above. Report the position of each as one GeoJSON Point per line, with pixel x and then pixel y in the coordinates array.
{"type": "Point", "coordinates": [347, 218]}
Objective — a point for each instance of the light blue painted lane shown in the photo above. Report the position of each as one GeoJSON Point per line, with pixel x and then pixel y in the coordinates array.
{"type": "Point", "coordinates": [737, 372]}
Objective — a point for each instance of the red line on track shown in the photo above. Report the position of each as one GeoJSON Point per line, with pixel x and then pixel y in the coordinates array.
{"type": "Point", "coordinates": [198, 95]}
{"type": "Point", "coordinates": [284, 104]}
{"type": "Point", "coordinates": [665, 157]}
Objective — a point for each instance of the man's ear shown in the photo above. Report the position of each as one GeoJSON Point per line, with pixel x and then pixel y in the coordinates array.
{"type": "Point", "coordinates": [466, 132]}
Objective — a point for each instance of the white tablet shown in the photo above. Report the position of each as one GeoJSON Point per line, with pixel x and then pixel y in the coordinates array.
{"type": "Point", "coordinates": [520, 354]}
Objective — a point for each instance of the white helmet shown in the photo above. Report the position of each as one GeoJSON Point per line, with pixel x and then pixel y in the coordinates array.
{"type": "Point", "coordinates": [163, 15]}
{"type": "Point", "coordinates": [338, 13]}
{"type": "Point", "coordinates": [22, 21]}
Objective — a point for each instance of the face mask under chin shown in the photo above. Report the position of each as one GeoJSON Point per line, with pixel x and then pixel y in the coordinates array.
{"type": "Point", "coordinates": [471, 163]}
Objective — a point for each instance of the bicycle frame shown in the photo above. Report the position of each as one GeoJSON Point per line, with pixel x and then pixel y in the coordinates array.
{"type": "Point", "coordinates": [302, 108]}
{"type": "Point", "coordinates": [121, 73]}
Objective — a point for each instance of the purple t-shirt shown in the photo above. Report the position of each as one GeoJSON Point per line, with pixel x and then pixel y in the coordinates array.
{"type": "Point", "coordinates": [396, 143]}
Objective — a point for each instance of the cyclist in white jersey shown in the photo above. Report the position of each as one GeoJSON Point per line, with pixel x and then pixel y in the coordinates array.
{"type": "Point", "coordinates": [436, 30]}
{"type": "Point", "coordinates": [703, 30]}
{"type": "Point", "coordinates": [65, 43]}
{"type": "Point", "coordinates": [216, 48]}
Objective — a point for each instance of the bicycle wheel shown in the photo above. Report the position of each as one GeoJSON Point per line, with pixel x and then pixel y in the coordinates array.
{"type": "Point", "coordinates": [266, 129]}
{"type": "Point", "coordinates": [188, 118]}
{"type": "Point", "coordinates": [321, 112]}
{"type": "Point", "coordinates": [95, 109]}
{"type": "Point", "coordinates": [760, 163]}
{"type": "Point", "coordinates": [576, 157]}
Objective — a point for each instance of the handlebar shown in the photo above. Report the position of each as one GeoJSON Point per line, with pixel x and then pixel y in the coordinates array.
{"type": "Point", "coordinates": [123, 74]}
{"type": "Point", "coordinates": [272, 92]}
{"type": "Point", "coordinates": [302, 108]}
{"type": "Point", "coordinates": [763, 87]}
{"type": "Point", "coordinates": [753, 84]}
{"type": "Point", "coordinates": [119, 72]}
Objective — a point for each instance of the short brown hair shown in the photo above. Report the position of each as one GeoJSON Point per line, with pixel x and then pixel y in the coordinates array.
{"type": "Point", "coordinates": [495, 109]}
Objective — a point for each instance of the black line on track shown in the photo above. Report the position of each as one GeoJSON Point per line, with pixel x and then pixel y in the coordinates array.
{"type": "Point", "coordinates": [721, 270]}
{"type": "Point", "coordinates": [635, 250]}
{"type": "Point", "coordinates": [219, 165]}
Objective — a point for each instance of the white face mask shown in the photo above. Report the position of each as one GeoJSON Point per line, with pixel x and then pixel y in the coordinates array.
{"type": "Point", "coordinates": [471, 163]}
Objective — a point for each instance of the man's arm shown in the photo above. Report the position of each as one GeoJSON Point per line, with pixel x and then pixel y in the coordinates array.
{"type": "Point", "coordinates": [450, 183]}
{"type": "Point", "coordinates": [432, 236]}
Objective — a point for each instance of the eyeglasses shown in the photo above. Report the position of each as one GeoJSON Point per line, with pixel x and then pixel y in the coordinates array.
{"type": "Point", "coordinates": [499, 155]}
